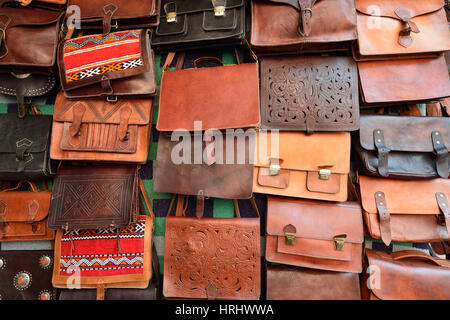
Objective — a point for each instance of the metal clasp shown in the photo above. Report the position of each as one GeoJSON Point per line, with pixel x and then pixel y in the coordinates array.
{"type": "Point", "coordinates": [290, 238]}
{"type": "Point", "coordinates": [339, 242]}
{"type": "Point", "coordinates": [274, 169]}
{"type": "Point", "coordinates": [324, 174]}
{"type": "Point", "coordinates": [219, 11]}
{"type": "Point", "coordinates": [171, 17]}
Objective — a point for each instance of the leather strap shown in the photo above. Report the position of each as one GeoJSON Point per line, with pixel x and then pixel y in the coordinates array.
{"type": "Point", "coordinates": [33, 209]}
{"type": "Point", "coordinates": [385, 218]}
{"type": "Point", "coordinates": [108, 12]}
{"type": "Point", "coordinates": [101, 291]}
{"type": "Point", "coordinates": [442, 154]}
{"type": "Point", "coordinates": [33, 186]}
{"type": "Point", "coordinates": [125, 114]}
{"type": "Point", "coordinates": [404, 37]}
{"type": "Point", "coordinates": [383, 152]}
{"type": "Point", "coordinates": [169, 59]}
{"type": "Point", "coordinates": [445, 209]}
{"type": "Point", "coordinates": [310, 124]}
{"type": "Point", "coordinates": [200, 204]}
{"type": "Point", "coordinates": [78, 113]}
{"type": "Point", "coordinates": [210, 148]}
{"type": "Point", "coordinates": [252, 202]}
{"type": "Point", "coordinates": [211, 291]}
{"type": "Point", "coordinates": [416, 254]}
{"type": "Point", "coordinates": [207, 59]}
{"type": "Point", "coordinates": [304, 25]}
{"type": "Point", "coordinates": [4, 22]}
{"type": "Point", "coordinates": [146, 199]}
{"type": "Point", "coordinates": [106, 85]}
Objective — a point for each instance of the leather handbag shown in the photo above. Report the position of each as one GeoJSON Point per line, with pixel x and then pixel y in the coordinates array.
{"type": "Point", "coordinates": [395, 29]}
{"type": "Point", "coordinates": [302, 26]}
{"type": "Point", "coordinates": [107, 15]}
{"type": "Point", "coordinates": [115, 65]}
{"type": "Point", "coordinates": [88, 197]}
{"type": "Point", "coordinates": [405, 275]}
{"type": "Point", "coordinates": [24, 153]}
{"type": "Point", "coordinates": [295, 164]}
{"type": "Point", "coordinates": [26, 275]}
{"type": "Point", "coordinates": [98, 130]}
{"type": "Point", "coordinates": [24, 214]}
{"type": "Point", "coordinates": [404, 78]}
{"type": "Point", "coordinates": [291, 283]}
{"type": "Point", "coordinates": [309, 93]}
{"type": "Point", "coordinates": [187, 25]}
{"type": "Point", "coordinates": [406, 210]}
{"type": "Point", "coordinates": [403, 146]}
{"type": "Point", "coordinates": [212, 258]}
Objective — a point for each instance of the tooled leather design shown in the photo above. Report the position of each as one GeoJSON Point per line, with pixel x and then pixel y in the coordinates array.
{"type": "Point", "coordinates": [202, 254]}
{"type": "Point", "coordinates": [30, 90]}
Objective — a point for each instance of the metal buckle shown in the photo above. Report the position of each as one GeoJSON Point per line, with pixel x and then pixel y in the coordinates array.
{"type": "Point", "coordinates": [111, 98]}
{"type": "Point", "coordinates": [339, 242]}
{"type": "Point", "coordinates": [219, 11]}
{"type": "Point", "coordinates": [290, 238]}
{"type": "Point", "coordinates": [274, 169]}
{"type": "Point", "coordinates": [115, 25]}
{"type": "Point", "coordinates": [440, 219]}
{"type": "Point", "coordinates": [171, 17]}
{"type": "Point", "coordinates": [324, 174]}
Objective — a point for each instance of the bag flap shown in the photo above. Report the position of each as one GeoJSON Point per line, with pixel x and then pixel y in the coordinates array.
{"type": "Point", "coordinates": [191, 7]}
{"type": "Point", "coordinates": [98, 59]}
{"type": "Point", "coordinates": [24, 206]}
{"type": "Point", "coordinates": [32, 131]}
{"type": "Point", "coordinates": [34, 85]}
{"type": "Point", "coordinates": [387, 8]}
{"type": "Point", "coordinates": [411, 278]}
{"type": "Point", "coordinates": [317, 220]}
{"type": "Point", "coordinates": [400, 194]}
{"type": "Point", "coordinates": [292, 3]}
{"type": "Point", "coordinates": [28, 16]}
{"type": "Point", "coordinates": [299, 151]}
{"type": "Point", "coordinates": [102, 111]}
{"type": "Point", "coordinates": [404, 133]}
{"type": "Point", "coordinates": [125, 8]}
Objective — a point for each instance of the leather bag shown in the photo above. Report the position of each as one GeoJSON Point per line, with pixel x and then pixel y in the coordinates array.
{"type": "Point", "coordinates": [406, 210]}
{"type": "Point", "coordinates": [405, 275]}
{"type": "Point", "coordinates": [48, 4]}
{"type": "Point", "coordinates": [98, 130]}
{"type": "Point", "coordinates": [187, 25]}
{"type": "Point", "coordinates": [295, 164]}
{"type": "Point", "coordinates": [89, 197]}
{"type": "Point", "coordinates": [290, 283]}
{"type": "Point", "coordinates": [401, 28]}
{"type": "Point", "coordinates": [315, 234]}
{"type": "Point", "coordinates": [309, 93]}
{"type": "Point", "coordinates": [302, 26]}
{"type": "Point", "coordinates": [107, 15]}
{"type": "Point", "coordinates": [24, 214]}
{"type": "Point", "coordinates": [115, 65]}
{"type": "Point", "coordinates": [403, 146]}
{"type": "Point", "coordinates": [26, 275]}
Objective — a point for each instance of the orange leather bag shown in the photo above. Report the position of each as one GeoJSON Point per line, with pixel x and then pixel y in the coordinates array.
{"type": "Point", "coordinates": [295, 164]}
{"type": "Point", "coordinates": [406, 210]}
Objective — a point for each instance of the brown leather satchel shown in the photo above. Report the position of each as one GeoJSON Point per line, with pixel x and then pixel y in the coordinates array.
{"type": "Point", "coordinates": [98, 130]}
{"type": "Point", "coordinates": [295, 164]}
{"type": "Point", "coordinates": [302, 25]}
{"type": "Point", "coordinates": [405, 275]}
{"type": "Point", "coordinates": [88, 197]}
{"type": "Point", "coordinates": [406, 211]}
{"type": "Point", "coordinates": [115, 65]}
{"type": "Point", "coordinates": [26, 275]}
{"type": "Point", "coordinates": [401, 28]}
{"type": "Point", "coordinates": [404, 80]}
{"type": "Point", "coordinates": [309, 93]}
{"type": "Point", "coordinates": [315, 234]}
{"type": "Point", "coordinates": [24, 214]}
{"type": "Point", "coordinates": [290, 283]}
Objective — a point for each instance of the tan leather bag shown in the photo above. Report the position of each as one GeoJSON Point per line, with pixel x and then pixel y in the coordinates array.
{"type": "Point", "coordinates": [306, 166]}
{"type": "Point", "coordinates": [24, 214]}
{"type": "Point", "coordinates": [315, 234]}
{"type": "Point", "coordinates": [406, 211]}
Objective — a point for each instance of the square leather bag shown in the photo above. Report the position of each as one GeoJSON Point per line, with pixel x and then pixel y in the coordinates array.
{"type": "Point", "coordinates": [302, 25]}
{"type": "Point", "coordinates": [98, 130]}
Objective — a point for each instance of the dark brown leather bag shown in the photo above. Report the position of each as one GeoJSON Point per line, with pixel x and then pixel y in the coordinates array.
{"type": "Point", "coordinates": [405, 275]}
{"type": "Point", "coordinates": [98, 130]}
{"type": "Point", "coordinates": [288, 283]}
{"type": "Point", "coordinates": [315, 234]}
{"type": "Point", "coordinates": [26, 275]}
{"type": "Point", "coordinates": [403, 146]}
{"type": "Point", "coordinates": [302, 25]}
{"type": "Point", "coordinates": [309, 93]}
{"type": "Point", "coordinates": [406, 210]}
{"type": "Point", "coordinates": [90, 197]}
{"type": "Point", "coordinates": [24, 214]}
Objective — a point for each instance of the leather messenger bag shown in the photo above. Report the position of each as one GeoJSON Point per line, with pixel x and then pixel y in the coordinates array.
{"type": "Point", "coordinates": [403, 146]}
{"type": "Point", "coordinates": [294, 26]}
{"type": "Point", "coordinates": [406, 210]}
{"type": "Point", "coordinates": [405, 275]}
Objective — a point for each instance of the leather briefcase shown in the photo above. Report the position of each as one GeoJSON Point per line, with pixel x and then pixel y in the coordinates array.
{"type": "Point", "coordinates": [394, 29]}
{"type": "Point", "coordinates": [309, 93]}
{"type": "Point", "coordinates": [24, 214]}
{"type": "Point", "coordinates": [26, 275]}
{"type": "Point", "coordinates": [406, 211]}
{"type": "Point", "coordinates": [405, 275]}
{"type": "Point", "coordinates": [295, 164]}
{"type": "Point", "coordinates": [88, 197]}
{"type": "Point", "coordinates": [403, 146]}
{"type": "Point", "coordinates": [187, 25]}
{"type": "Point", "coordinates": [290, 283]}
{"type": "Point", "coordinates": [115, 65]}
{"type": "Point", "coordinates": [302, 26]}
{"type": "Point", "coordinates": [24, 153]}
{"type": "Point", "coordinates": [98, 130]}
{"type": "Point", "coordinates": [116, 15]}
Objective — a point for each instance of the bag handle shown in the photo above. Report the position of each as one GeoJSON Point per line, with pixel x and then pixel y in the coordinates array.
{"type": "Point", "coordinates": [416, 254]}
{"type": "Point", "coordinates": [146, 199]}
{"type": "Point", "coordinates": [33, 186]}
{"type": "Point", "coordinates": [206, 59]}
{"type": "Point", "coordinates": [253, 203]}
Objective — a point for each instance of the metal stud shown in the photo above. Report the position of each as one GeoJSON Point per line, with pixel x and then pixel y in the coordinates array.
{"type": "Point", "coordinates": [45, 262]}
{"type": "Point", "coordinates": [2, 263]}
{"type": "Point", "coordinates": [22, 280]}
{"type": "Point", "coordinates": [45, 295]}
